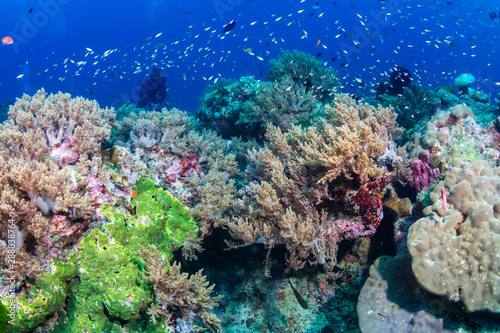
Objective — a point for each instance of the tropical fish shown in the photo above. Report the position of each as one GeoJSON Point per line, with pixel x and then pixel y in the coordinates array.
{"type": "Point", "coordinates": [301, 301]}
{"type": "Point", "coordinates": [7, 40]}
{"type": "Point", "coordinates": [30, 11]}
{"type": "Point", "coordinates": [133, 194]}
{"type": "Point", "coordinates": [229, 27]}
{"type": "Point", "coordinates": [318, 42]}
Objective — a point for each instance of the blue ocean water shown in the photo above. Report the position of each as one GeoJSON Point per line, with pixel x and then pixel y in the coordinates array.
{"type": "Point", "coordinates": [102, 50]}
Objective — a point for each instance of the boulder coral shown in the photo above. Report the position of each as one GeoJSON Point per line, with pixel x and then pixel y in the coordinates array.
{"type": "Point", "coordinates": [455, 247]}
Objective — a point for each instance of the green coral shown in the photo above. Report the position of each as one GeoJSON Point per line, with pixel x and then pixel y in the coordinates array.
{"type": "Point", "coordinates": [161, 220]}
{"type": "Point", "coordinates": [44, 298]}
{"type": "Point", "coordinates": [3, 317]}
{"type": "Point", "coordinates": [109, 290]}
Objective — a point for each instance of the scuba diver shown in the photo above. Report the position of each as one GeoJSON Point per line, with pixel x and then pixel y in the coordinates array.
{"type": "Point", "coordinates": [153, 90]}
{"type": "Point", "coordinates": [400, 79]}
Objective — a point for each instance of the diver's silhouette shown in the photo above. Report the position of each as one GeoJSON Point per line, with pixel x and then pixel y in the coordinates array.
{"type": "Point", "coordinates": [153, 90]}
{"type": "Point", "coordinates": [400, 79]}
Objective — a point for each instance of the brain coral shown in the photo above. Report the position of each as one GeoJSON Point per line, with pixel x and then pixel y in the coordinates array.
{"type": "Point", "coordinates": [456, 252]}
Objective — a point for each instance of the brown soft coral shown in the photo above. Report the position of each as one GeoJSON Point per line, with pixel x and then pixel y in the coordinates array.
{"type": "Point", "coordinates": [176, 291]}
{"type": "Point", "coordinates": [59, 116]}
{"type": "Point", "coordinates": [347, 141]}
{"type": "Point", "coordinates": [288, 198]}
{"type": "Point", "coordinates": [28, 190]}
{"type": "Point", "coordinates": [46, 139]}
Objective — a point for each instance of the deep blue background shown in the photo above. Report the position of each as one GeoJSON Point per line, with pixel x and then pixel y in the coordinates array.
{"type": "Point", "coordinates": [436, 40]}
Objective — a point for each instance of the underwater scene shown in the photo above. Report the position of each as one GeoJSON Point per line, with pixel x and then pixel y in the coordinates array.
{"type": "Point", "coordinates": [250, 166]}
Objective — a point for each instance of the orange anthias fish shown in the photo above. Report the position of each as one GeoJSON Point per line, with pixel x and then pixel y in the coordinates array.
{"type": "Point", "coordinates": [133, 194]}
{"type": "Point", "coordinates": [7, 40]}
{"type": "Point", "coordinates": [248, 49]}
{"type": "Point", "coordinates": [318, 42]}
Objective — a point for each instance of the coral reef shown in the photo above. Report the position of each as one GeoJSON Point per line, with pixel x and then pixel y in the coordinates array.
{"type": "Point", "coordinates": [195, 166]}
{"type": "Point", "coordinates": [288, 198]}
{"type": "Point", "coordinates": [291, 175]}
{"type": "Point", "coordinates": [47, 139]}
{"type": "Point", "coordinates": [55, 177]}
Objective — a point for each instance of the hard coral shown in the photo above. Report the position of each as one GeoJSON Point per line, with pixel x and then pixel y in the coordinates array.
{"type": "Point", "coordinates": [455, 247]}
{"type": "Point", "coordinates": [387, 302]}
